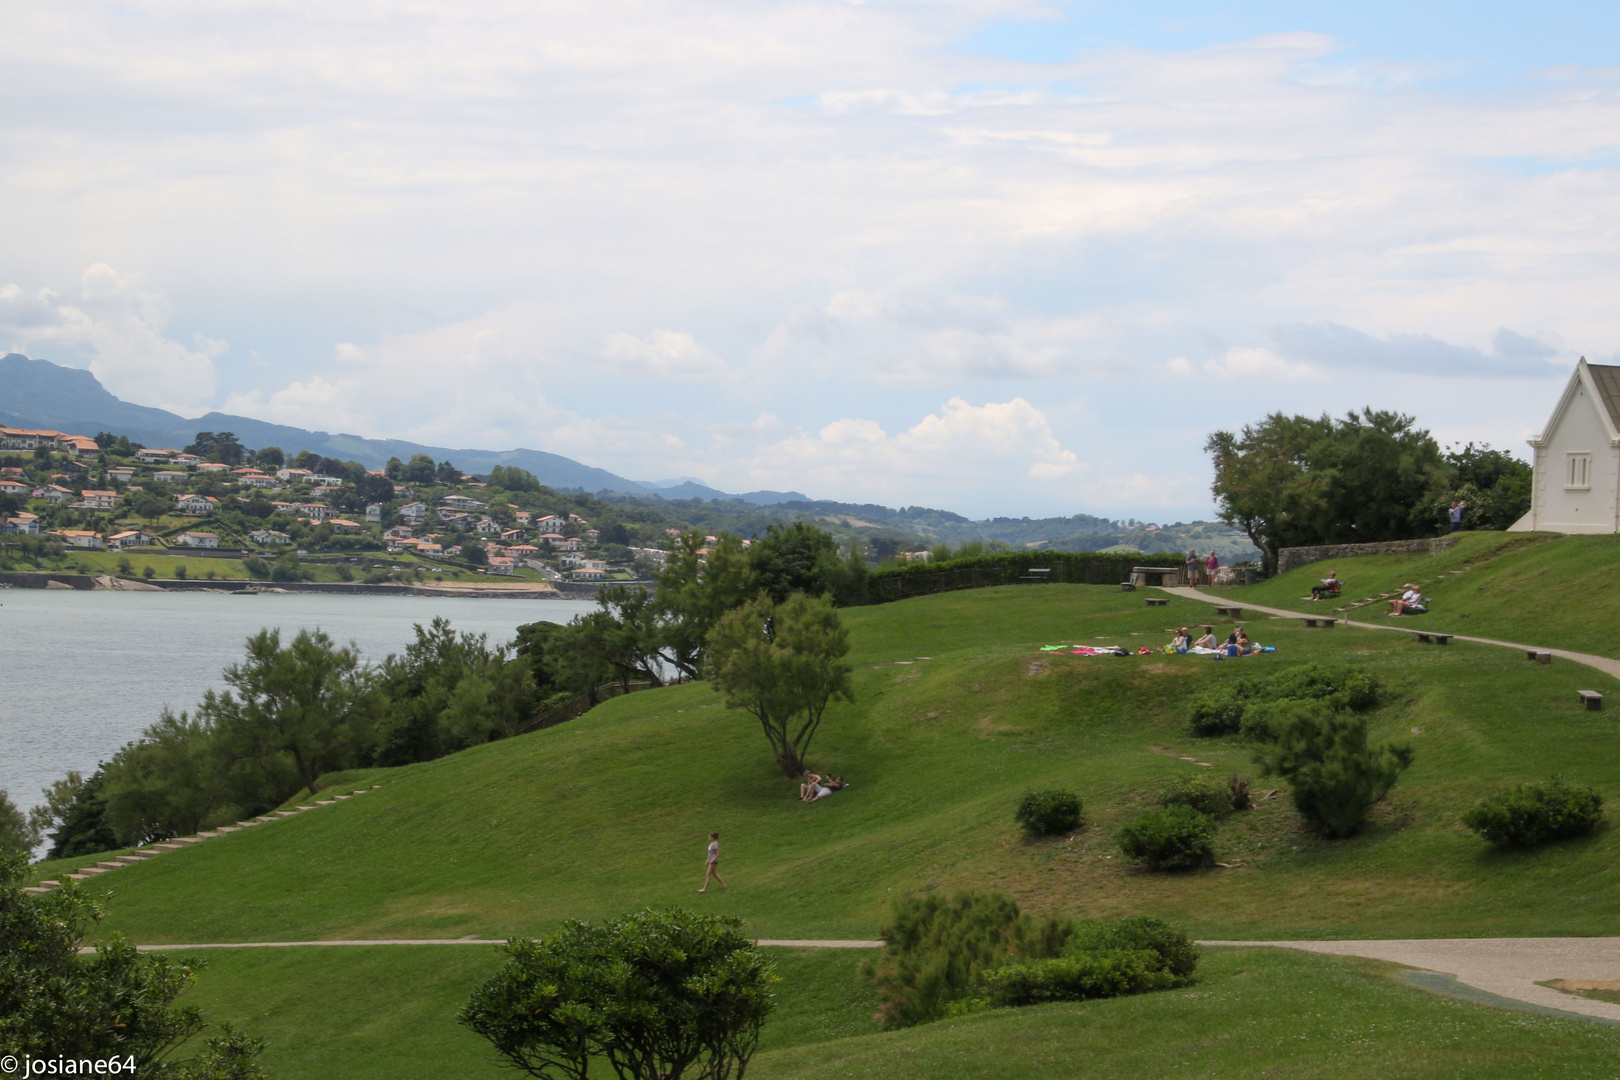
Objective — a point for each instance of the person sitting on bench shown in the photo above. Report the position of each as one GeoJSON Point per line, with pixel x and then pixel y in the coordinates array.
{"type": "Point", "coordinates": [1329, 587]}
{"type": "Point", "coordinates": [1409, 599]}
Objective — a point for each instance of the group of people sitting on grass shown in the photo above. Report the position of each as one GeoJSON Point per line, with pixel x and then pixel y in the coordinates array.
{"type": "Point", "coordinates": [816, 786]}
{"type": "Point", "coordinates": [1237, 643]}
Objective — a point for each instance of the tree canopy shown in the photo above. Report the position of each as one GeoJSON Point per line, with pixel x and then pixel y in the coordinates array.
{"type": "Point", "coordinates": [784, 663]}
{"type": "Point", "coordinates": [1291, 481]}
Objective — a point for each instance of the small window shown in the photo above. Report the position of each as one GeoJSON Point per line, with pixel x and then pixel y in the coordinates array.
{"type": "Point", "coordinates": [1579, 472]}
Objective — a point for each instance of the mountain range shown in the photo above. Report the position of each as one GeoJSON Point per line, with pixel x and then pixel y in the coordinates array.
{"type": "Point", "coordinates": [40, 394]}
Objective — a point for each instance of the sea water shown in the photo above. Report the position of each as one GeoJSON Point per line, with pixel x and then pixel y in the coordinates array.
{"type": "Point", "coordinates": [82, 673]}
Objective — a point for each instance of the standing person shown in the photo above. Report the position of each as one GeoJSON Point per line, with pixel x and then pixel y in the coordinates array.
{"type": "Point", "coordinates": [711, 869]}
{"type": "Point", "coordinates": [1211, 565]}
{"type": "Point", "coordinates": [1456, 514]}
{"type": "Point", "coordinates": [1192, 566]}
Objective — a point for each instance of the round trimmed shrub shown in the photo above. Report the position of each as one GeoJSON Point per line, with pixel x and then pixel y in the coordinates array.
{"type": "Point", "coordinates": [1175, 838]}
{"type": "Point", "coordinates": [1049, 813]}
{"type": "Point", "coordinates": [1200, 791]}
{"type": "Point", "coordinates": [1534, 814]}
{"type": "Point", "coordinates": [1216, 712]}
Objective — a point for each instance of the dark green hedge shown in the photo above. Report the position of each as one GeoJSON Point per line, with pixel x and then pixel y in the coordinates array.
{"type": "Point", "coordinates": [1008, 568]}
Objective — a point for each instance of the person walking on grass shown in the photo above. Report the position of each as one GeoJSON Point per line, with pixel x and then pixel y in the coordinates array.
{"type": "Point", "coordinates": [712, 867]}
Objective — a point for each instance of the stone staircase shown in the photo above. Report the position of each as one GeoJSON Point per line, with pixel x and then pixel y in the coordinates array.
{"type": "Point", "coordinates": [180, 843]}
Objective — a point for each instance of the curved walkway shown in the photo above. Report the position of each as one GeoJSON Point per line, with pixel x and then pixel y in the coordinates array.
{"type": "Point", "coordinates": [1604, 664]}
{"type": "Point", "coordinates": [1506, 967]}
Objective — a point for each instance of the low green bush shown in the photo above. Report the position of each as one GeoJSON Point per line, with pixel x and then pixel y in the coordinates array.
{"type": "Point", "coordinates": [1216, 712]}
{"type": "Point", "coordinates": [1174, 838]}
{"type": "Point", "coordinates": [1533, 814]}
{"type": "Point", "coordinates": [1049, 813]}
{"type": "Point", "coordinates": [1335, 776]}
{"type": "Point", "coordinates": [1132, 956]}
{"type": "Point", "coordinates": [936, 952]}
{"type": "Point", "coordinates": [1248, 706]}
{"type": "Point", "coordinates": [1200, 791]}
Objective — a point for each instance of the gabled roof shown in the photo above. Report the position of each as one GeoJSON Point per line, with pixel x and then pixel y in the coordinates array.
{"type": "Point", "coordinates": [1603, 382]}
{"type": "Point", "coordinates": [1606, 379]}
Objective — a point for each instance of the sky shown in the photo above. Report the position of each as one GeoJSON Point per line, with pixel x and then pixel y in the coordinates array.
{"type": "Point", "coordinates": [1002, 257]}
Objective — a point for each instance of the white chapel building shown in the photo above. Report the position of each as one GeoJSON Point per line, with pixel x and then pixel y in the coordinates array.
{"type": "Point", "coordinates": [1576, 488]}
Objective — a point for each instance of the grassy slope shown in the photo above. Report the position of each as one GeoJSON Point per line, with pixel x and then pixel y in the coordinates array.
{"type": "Point", "coordinates": [341, 1012]}
{"type": "Point", "coordinates": [1535, 588]}
{"type": "Point", "coordinates": [390, 1012]}
{"type": "Point", "coordinates": [610, 812]}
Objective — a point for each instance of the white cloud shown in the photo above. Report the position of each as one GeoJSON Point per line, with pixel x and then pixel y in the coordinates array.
{"type": "Point", "coordinates": [845, 213]}
{"type": "Point", "coordinates": [1240, 363]}
{"type": "Point", "coordinates": [662, 354]}
{"type": "Point", "coordinates": [119, 330]}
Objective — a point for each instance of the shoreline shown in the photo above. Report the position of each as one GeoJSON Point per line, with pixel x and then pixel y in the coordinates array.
{"type": "Point", "coordinates": [52, 580]}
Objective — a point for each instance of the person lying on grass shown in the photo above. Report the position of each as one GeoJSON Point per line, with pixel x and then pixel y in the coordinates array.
{"type": "Point", "coordinates": [827, 786]}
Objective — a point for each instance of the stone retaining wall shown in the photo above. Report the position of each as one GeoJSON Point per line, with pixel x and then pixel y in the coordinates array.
{"type": "Point", "coordinates": [1295, 557]}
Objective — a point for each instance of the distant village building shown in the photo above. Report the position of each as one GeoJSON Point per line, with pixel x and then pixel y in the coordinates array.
{"type": "Point", "coordinates": [344, 525]}
{"type": "Point", "coordinates": [213, 467]}
{"type": "Point", "coordinates": [413, 513]}
{"type": "Point", "coordinates": [1576, 486]}
{"type": "Point", "coordinates": [462, 502]}
{"type": "Point", "coordinates": [269, 536]}
{"type": "Point", "coordinates": [12, 487]}
{"type": "Point", "coordinates": [502, 566]}
{"type": "Point", "coordinates": [99, 500]}
{"type": "Point", "coordinates": [123, 474]}
{"type": "Point", "coordinates": [198, 540]}
{"type": "Point", "coordinates": [170, 477]}
{"type": "Point", "coordinates": [22, 524]}
{"type": "Point", "coordinates": [131, 539]}
{"type": "Point", "coordinates": [374, 512]}
{"type": "Point", "coordinates": [197, 504]}
{"type": "Point", "coordinates": [154, 457]}
{"type": "Point", "coordinates": [81, 538]}
{"type": "Point", "coordinates": [29, 439]}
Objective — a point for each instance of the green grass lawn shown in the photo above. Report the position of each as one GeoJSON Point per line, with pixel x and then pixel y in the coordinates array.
{"type": "Point", "coordinates": [1536, 588]}
{"type": "Point", "coordinates": [389, 1012]}
{"type": "Point", "coordinates": [364, 1013]}
{"type": "Point", "coordinates": [610, 812]}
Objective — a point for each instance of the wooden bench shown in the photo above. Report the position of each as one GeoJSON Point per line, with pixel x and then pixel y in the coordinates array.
{"type": "Point", "coordinates": [1591, 699]}
{"type": "Point", "coordinates": [1157, 601]}
{"type": "Point", "coordinates": [1231, 612]}
{"type": "Point", "coordinates": [1425, 637]}
{"type": "Point", "coordinates": [1309, 621]}
{"type": "Point", "coordinates": [1540, 656]}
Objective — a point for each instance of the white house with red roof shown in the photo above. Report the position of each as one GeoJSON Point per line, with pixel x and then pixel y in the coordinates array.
{"type": "Point", "coordinates": [198, 540]}
{"type": "Point", "coordinates": [197, 504]}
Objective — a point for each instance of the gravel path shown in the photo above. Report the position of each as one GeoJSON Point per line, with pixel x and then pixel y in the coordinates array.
{"type": "Point", "coordinates": [1509, 967]}
{"type": "Point", "coordinates": [816, 943]}
{"type": "Point", "coordinates": [1602, 663]}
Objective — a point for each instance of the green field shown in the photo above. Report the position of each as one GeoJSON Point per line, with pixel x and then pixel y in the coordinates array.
{"type": "Point", "coordinates": [382, 1013]}
{"type": "Point", "coordinates": [957, 713]}
{"type": "Point", "coordinates": [1537, 588]}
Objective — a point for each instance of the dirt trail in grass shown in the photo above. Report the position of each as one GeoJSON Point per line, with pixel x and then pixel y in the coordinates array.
{"type": "Point", "coordinates": [1507, 967]}
{"type": "Point", "coordinates": [1604, 664]}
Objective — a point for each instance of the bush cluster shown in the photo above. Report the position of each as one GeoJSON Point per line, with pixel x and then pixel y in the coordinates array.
{"type": "Point", "coordinates": [1049, 813]}
{"type": "Point", "coordinates": [977, 950]}
{"type": "Point", "coordinates": [1206, 794]}
{"type": "Point", "coordinates": [1533, 814]}
{"type": "Point", "coordinates": [1131, 956]}
{"type": "Point", "coordinates": [1248, 706]}
{"type": "Point", "coordinates": [1174, 838]}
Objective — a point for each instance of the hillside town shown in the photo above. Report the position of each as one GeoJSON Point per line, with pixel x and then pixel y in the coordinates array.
{"type": "Point", "coordinates": [103, 494]}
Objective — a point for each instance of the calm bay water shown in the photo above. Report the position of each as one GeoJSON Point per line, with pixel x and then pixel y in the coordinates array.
{"type": "Point", "coordinates": [81, 673]}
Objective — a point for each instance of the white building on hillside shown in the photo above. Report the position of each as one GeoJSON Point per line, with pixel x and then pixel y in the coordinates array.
{"type": "Point", "coordinates": [1577, 458]}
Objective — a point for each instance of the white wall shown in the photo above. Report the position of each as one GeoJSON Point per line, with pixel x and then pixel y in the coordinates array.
{"type": "Point", "coordinates": [1560, 509]}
